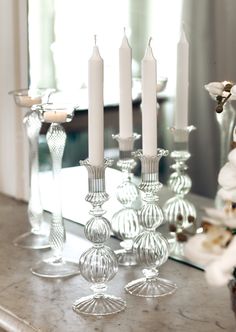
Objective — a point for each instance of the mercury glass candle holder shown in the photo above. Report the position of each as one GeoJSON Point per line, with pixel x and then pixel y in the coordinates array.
{"type": "Point", "coordinates": [150, 246]}
{"type": "Point", "coordinates": [99, 263]}
{"type": "Point", "coordinates": [36, 238]}
{"type": "Point", "coordinates": [125, 222]}
{"type": "Point", "coordinates": [179, 211]}
{"type": "Point", "coordinates": [56, 266]}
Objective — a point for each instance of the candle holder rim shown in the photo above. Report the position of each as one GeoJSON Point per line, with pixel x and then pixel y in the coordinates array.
{"type": "Point", "coordinates": [107, 163]}
{"type": "Point", "coordinates": [187, 129]}
{"type": "Point", "coordinates": [160, 153]}
{"type": "Point", "coordinates": [20, 92]}
{"type": "Point", "coordinates": [134, 136]}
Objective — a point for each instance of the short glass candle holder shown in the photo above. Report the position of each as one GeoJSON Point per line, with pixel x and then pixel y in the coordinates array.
{"type": "Point", "coordinates": [98, 264]}
{"type": "Point", "coordinates": [179, 211]}
{"type": "Point", "coordinates": [125, 222]}
{"type": "Point", "coordinates": [150, 246]}
{"type": "Point", "coordinates": [56, 266]}
{"type": "Point", "coordinates": [36, 238]}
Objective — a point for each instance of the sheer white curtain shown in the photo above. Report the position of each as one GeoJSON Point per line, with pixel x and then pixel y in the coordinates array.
{"type": "Point", "coordinates": [13, 75]}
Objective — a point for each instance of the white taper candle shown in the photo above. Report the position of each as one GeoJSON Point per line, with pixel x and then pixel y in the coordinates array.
{"type": "Point", "coordinates": [149, 103]}
{"type": "Point", "coordinates": [125, 79]}
{"type": "Point", "coordinates": [95, 108]}
{"type": "Point", "coordinates": [182, 83]}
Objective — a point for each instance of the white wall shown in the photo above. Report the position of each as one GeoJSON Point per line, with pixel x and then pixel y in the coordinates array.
{"type": "Point", "coordinates": [13, 75]}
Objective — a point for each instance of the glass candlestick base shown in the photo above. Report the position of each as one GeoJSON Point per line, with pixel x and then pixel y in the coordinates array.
{"type": "Point", "coordinates": [56, 266]}
{"type": "Point", "coordinates": [98, 264]}
{"type": "Point", "coordinates": [125, 222]}
{"type": "Point", "coordinates": [150, 246]}
{"type": "Point", "coordinates": [32, 240]}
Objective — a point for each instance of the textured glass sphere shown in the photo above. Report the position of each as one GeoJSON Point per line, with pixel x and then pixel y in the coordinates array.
{"type": "Point", "coordinates": [98, 264]}
{"type": "Point", "coordinates": [151, 248]}
{"type": "Point", "coordinates": [180, 183]}
{"type": "Point", "coordinates": [97, 229]}
{"type": "Point", "coordinates": [127, 193]}
{"type": "Point", "coordinates": [151, 216]}
{"type": "Point", "coordinates": [177, 206]}
{"type": "Point", "coordinates": [125, 223]}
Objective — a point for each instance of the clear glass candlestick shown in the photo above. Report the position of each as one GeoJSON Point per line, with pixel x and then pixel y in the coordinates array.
{"type": "Point", "coordinates": [99, 263]}
{"type": "Point", "coordinates": [35, 238]}
{"type": "Point", "coordinates": [178, 210]}
{"type": "Point", "coordinates": [150, 246]}
{"type": "Point", "coordinates": [125, 222]}
{"type": "Point", "coordinates": [56, 266]}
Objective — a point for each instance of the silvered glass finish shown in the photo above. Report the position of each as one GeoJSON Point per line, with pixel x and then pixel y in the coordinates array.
{"type": "Point", "coordinates": [150, 246]}
{"type": "Point", "coordinates": [98, 264]}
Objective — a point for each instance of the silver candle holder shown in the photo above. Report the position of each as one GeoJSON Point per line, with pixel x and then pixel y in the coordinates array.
{"type": "Point", "coordinates": [98, 264]}
{"type": "Point", "coordinates": [150, 246]}
{"type": "Point", "coordinates": [125, 222]}
{"type": "Point", "coordinates": [179, 211]}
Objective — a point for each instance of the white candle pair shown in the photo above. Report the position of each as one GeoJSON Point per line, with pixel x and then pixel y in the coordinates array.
{"type": "Point", "coordinates": [95, 95]}
{"type": "Point", "coordinates": [149, 102]}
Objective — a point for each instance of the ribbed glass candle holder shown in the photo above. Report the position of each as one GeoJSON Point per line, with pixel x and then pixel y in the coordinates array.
{"type": "Point", "coordinates": [98, 264]}
{"type": "Point", "coordinates": [150, 246]}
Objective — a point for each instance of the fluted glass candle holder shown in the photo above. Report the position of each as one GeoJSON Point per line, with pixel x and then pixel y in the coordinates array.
{"type": "Point", "coordinates": [150, 246]}
{"type": "Point", "coordinates": [36, 238]}
{"type": "Point", "coordinates": [125, 222]}
{"type": "Point", "coordinates": [179, 211]}
{"type": "Point", "coordinates": [56, 266]}
{"type": "Point", "coordinates": [98, 264]}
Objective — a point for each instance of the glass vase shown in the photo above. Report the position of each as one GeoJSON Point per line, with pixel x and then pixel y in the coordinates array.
{"type": "Point", "coordinates": [36, 238]}
{"type": "Point", "coordinates": [179, 212]}
{"type": "Point", "coordinates": [150, 246]}
{"type": "Point", "coordinates": [56, 266]}
{"type": "Point", "coordinates": [226, 121]}
{"type": "Point", "coordinates": [125, 222]}
{"type": "Point", "coordinates": [98, 264]}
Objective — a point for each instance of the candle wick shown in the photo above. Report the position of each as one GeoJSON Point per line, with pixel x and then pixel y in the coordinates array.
{"type": "Point", "coordinates": [124, 31]}
{"type": "Point", "coordinates": [95, 40]}
{"type": "Point", "coordinates": [149, 42]}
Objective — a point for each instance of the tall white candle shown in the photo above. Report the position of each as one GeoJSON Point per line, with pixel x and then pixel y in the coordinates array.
{"type": "Point", "coordinates": [125, 76]}
{"type": "Point", "coordinates": [149, 103]}
{"type": "Point", "coordinates": [95, 108]}
{"type": "Point", "coordinates": [182, 83]}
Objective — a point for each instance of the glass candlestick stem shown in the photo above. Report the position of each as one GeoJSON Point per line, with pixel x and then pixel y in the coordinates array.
{"type": "Point", "coordinates": [125, 222]}
{"type": "Point", "coordinates": [179, 211]}
{"type": "Point", "coordinates": [56, 266]}
{"type": "Point", "coordinates": [36, 238]}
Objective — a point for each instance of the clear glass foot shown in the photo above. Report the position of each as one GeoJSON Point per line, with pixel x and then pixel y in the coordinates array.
{"type": "Point", "coordinates": [55, 268]}
{"type": "Point", "coordinates": [150, 287]}
{"type": "Point", "coordinates": [31, 240]}
{"type": "Point", "coordinates": [99, 305]}
{"type": "Point", "coordinates": [176, 247]}
{"type": "Point", "coordinates": [126, 257]}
